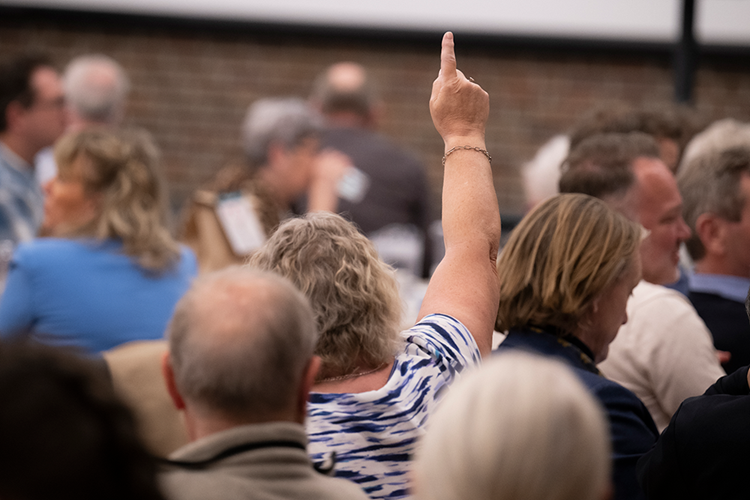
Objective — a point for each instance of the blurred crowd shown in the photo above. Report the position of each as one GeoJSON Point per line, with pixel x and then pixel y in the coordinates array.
{"type": "Point", "coordinates": [302, 330]}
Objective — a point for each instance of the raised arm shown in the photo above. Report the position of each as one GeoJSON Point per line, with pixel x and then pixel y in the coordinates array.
{"type": "Point", "coordinates": [465, 284]}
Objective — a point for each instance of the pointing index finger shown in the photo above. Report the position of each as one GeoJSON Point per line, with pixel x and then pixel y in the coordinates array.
{"type": "Point", "coordinates": [448, 57]}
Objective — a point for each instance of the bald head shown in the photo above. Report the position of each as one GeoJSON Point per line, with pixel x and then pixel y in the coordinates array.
{"type": "Point", "coordinates": [240, 341]}
{"type": "Point", "coordinates": [344, 89]}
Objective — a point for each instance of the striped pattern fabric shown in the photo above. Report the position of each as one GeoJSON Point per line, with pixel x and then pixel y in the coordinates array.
{"type": "Point", "coordinates": [21, 200]}
{"type": "Point", "coordinates": [374, 433]}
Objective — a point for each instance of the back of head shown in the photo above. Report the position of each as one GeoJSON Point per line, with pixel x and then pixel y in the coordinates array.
{"type": "Point", "coordinates": [240, 340]}
{"type": "Point", "coordinates": [710, 181]}
{"type": "Point", "coordinates": [353, 293]}
{"type": "Point", "coordinates": [95, 88]}
{"type": "Point", "coordinates": [344, 88]}
{"type": "Point", "coordinates": [560, 257]}
{"type": "Point", "coordinates": [520, 428]}
{"type": "Point", "coordinates": [287, 122]}
{"type": "Point", "coordinates": [602, 165]}
{"type": "Point", "coordinates": [15, 82]}
{"type": "Point", "coordinates": [670, 125]}
{"type": "Point", "coordinates": [611, 119]}
{"type": "Point", "coordinates": [720, 135]}
{"type": "Point", "coordinates": [63, 434]}
{"type": "Point", "coordinates": [123, 166]}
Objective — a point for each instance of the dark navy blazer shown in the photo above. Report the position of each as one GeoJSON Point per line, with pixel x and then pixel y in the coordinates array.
{"type": "Point", "coordinates": [632, 428]}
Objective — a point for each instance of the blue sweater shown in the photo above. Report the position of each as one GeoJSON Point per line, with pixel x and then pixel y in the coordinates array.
{"type": "Point", "coordinates": [88, 295]}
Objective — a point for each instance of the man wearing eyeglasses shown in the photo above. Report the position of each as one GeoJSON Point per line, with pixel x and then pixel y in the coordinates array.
{"type": "Point", "coordinates": [32, 117]}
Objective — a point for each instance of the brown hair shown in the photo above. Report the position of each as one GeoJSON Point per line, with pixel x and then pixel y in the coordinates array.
{"type": "Point", "coordinates": [601, 166]}
{"type": "Point", "coordinates": [561, 256]}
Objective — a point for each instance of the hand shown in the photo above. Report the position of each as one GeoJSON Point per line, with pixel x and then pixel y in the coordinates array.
{"type": "Point", "coordinates": [329, 167]}
{"type": "Point", "coordinates": [723, 356]}
{"type": "Point", "coordinates": [459, 108]}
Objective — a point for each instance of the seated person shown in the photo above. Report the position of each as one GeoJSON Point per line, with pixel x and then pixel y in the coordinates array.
{"type": "Point", "coordinates": [281, 142]}
{"type": "Point", "coordinates": [240, 365]}
{"type": "Point", "coordinates": [376, 389]}
{"type": "Point", "coordinates": [702, 454]}
{"type": "Point", "coordinates": [110, 272]}
{"type": "Point", "coordinates": [63, 434]}
{"type": "Point", "coordinates": [522, 427]}
{"type": "Point", "coordinates": [565, 277]}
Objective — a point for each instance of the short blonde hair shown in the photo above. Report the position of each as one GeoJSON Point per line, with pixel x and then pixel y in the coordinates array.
{"type": "Point", "coordinates": [123, 167]}
{"type": "Point", "coordinates": [562, 255]}
{"type": "Point", "coordinates": [353, 293]}
{"type": "Point", "coordinates": [522, 427]}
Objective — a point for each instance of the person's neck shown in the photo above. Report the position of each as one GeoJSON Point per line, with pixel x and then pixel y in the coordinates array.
{"type": "Point", "coordinates": [200, 424]}
{"type": "Point", "coordinates": [355, 384]}
{"type": "Point", "coordinates": [19, 147]}
{"type": "Point", "coordinates": [714, 265]}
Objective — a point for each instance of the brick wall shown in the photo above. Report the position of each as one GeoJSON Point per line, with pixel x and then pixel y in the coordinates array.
{"type": "Point", "coordinates": [192, 86]}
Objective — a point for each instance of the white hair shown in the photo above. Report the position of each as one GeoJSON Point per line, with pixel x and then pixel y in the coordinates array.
{"type": "Point", "coordinates": [96, 87]}
{"type": "Point", "coordinates": [720, 135]}
{"type": "Point", "coordinates": [541, 175]}
{"type": "Point", "coordinates": [522, 427]}
{"type": "Point", "coordinates": [286, 121]}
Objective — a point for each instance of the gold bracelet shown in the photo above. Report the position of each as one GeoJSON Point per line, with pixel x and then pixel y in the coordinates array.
{"type": "Point", "coordinates": [471, 148]}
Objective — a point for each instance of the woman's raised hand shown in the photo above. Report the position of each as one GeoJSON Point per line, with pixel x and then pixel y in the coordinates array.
{"type": "Point", "coordinates": [459, 107]}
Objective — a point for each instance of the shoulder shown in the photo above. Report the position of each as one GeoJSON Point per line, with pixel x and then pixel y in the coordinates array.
{"type": "Point", "coordinates": [188, 261]}
{"type": "Point", "coordinates": [647, 295]}
{"type": "Point", "coordinates": [618, 401]}
{"type": "Point", "coordinates": [44, 249]}
{"type": "Point", "coordinates": [443, 330]}
{"type": "Point", "coordinates": [668, 311]}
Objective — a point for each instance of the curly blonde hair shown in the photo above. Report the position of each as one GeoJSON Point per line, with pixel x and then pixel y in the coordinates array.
{"type": "Point", "coordinates": [561, 256]}
{"type": "Point", "coordinates": [353, 293]}
{"type": "Point", "coordinates": [122, 166]}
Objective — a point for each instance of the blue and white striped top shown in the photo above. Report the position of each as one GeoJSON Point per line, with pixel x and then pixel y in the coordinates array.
{"type": "Point", "coordinates": [374, 433]}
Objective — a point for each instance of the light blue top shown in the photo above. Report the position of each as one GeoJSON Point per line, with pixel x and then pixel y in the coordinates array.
{"type": "Point", "coordinates": [729, 287]}
{"type": "Point", "coordinates": [375, 433]}
{"type": "Point", "coordinates": [87, 294]}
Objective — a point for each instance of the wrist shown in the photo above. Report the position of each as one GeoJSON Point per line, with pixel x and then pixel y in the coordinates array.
{"type": "Point", "coordinates": [465, 140]}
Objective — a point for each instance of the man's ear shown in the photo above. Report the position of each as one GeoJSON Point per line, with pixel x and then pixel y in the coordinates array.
{"type": "Point", "coordinates": [711, 230]}
{"type": "Point", "coordinates": [168, 374]}
{"type": "Point", "coordinates": [308, 380]}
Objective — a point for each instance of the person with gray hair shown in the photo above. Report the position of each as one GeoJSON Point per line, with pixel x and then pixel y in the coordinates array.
{"type": "Point", "coordinates": [240, 365]}
{"type": "Point", "coordinates": [522, 427]}
{"type": "Point", "coordinates": [281, 140]}
{"type": "Point", "coordinates": [96, 88]}
{"type": "Point", "coordinates": [715, 185]}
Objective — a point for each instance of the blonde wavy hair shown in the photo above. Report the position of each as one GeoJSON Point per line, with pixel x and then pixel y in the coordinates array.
{"type": "Point", "coordinates": [353, 293]}
{"type": "Point", "coordinates": [122, 167]}
{"type": "Point", "coordinates": [561, 256]}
